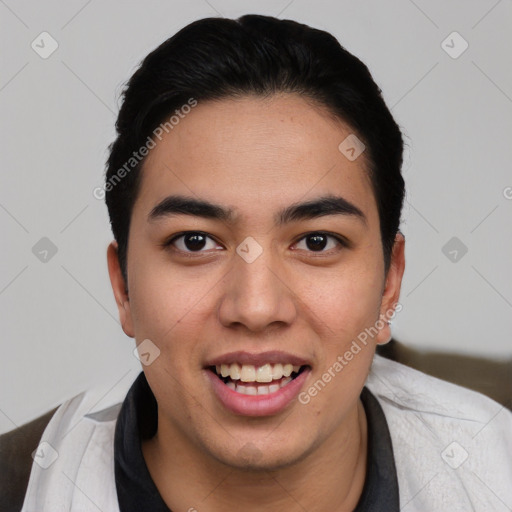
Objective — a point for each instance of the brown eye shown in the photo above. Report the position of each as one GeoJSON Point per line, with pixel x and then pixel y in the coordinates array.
{"type": "Point", "coordinates": [192, 241]}
{"type": "Point", "coordinates": [318, 241]}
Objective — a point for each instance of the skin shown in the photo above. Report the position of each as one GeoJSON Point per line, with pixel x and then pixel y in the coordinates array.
{"type": "Point", "coordinates": [256, 155]}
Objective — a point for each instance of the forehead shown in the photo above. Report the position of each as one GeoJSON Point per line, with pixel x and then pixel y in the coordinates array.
{"type": "Point", "coordinates": [254, 153]}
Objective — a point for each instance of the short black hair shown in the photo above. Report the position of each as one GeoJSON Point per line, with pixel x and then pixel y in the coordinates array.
{"type": "Point", "coordinates": [215, 58]}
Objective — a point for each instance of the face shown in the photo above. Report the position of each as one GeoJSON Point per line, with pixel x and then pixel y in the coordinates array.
{"type": "Point", "coordinates": [268, 280]}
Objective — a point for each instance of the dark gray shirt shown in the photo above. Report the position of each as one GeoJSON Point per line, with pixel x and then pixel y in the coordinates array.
{"type": "Point", "coordinates": [137, 420]}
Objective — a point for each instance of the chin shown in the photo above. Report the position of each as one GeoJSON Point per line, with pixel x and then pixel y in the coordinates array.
{"type": "Point", "coordinates": [251, 458]}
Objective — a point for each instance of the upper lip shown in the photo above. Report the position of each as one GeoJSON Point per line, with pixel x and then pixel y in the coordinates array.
{"type": "Point", "coordinates": [259, 359]}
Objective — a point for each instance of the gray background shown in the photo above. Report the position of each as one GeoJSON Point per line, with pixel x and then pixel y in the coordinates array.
{"type": "Point", "coordinates": [60, 331]}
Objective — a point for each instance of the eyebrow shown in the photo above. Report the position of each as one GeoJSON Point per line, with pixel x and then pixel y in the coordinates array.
{"type": "Point", "coordinates": [320, 207]}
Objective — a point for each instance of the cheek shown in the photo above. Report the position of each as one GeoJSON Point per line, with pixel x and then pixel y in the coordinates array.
{"type": "Point", "coordinates": [152, 307]}
{"type": "Point", "coordinates": [345, 301]}
{"type": "Point", "coordinates": [174, 311]}
{"type": "Point", "coordinates": [158, 303]}
{"type": "Point", "coordinates": [159, 297]}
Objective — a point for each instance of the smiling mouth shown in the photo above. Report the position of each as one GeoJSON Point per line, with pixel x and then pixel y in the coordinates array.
{"type": "Point", "coordinates": [253, 380]}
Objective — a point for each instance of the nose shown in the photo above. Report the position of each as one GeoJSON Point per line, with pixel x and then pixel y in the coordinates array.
{"type": "Point", "coordinates": [257, 294]}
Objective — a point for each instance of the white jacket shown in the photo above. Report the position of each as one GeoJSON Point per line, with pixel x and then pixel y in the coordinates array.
{"type": "Point", "coordinates": [452, 447]}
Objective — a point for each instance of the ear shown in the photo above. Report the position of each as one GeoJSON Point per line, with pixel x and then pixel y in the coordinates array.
{"type": "Point", "coordinates": [391, 292]}
{"type": "Point", "coordinates": [120, 289]}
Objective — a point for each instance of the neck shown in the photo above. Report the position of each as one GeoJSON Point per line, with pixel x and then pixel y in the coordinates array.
{"type": "Point", "coordinates": [331, 477]}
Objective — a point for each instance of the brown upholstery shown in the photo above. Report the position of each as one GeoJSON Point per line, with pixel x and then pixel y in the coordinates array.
{"type": "Point", "coordinates": [491, 378]}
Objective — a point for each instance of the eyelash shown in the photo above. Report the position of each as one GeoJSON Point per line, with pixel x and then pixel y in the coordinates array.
{"type": "Point", "coordinates": [169, 243]}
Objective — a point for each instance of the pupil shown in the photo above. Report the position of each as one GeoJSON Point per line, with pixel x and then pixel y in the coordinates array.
{"type": "Point", "coordinates": [319, 242]}
{"type": "Point", "coordinates": [194, 241]}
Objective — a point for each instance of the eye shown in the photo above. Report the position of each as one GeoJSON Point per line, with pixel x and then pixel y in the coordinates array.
{"type": "Point", "coordinates": [191, 241]}
{"type": "Point", "coordinates": [319, 240]}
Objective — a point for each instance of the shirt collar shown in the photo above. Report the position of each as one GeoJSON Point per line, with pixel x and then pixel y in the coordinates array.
{"type": "Point", "coordinates": [138, 420]}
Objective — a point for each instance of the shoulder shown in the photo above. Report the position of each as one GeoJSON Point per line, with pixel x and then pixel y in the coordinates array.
{"type": "Point", "coordinates": [16, 448]}
{"type": "Point", "coordinates": [405, 388]}
{"type": "Point", "coordinates": [452, 445]}
{"type": "Point", "coordinates": [78, 440]}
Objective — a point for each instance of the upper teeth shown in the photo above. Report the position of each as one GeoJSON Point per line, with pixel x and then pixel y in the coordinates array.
{"type": "Point", "coordinates": [250, 373]}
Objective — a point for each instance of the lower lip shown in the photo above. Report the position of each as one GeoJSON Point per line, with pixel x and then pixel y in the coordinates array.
{"type": "Point", "coordinates": [257, 405]}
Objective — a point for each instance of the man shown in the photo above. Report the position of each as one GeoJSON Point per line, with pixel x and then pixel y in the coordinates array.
{"type": "Point", "coordinates": [254, 192]}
